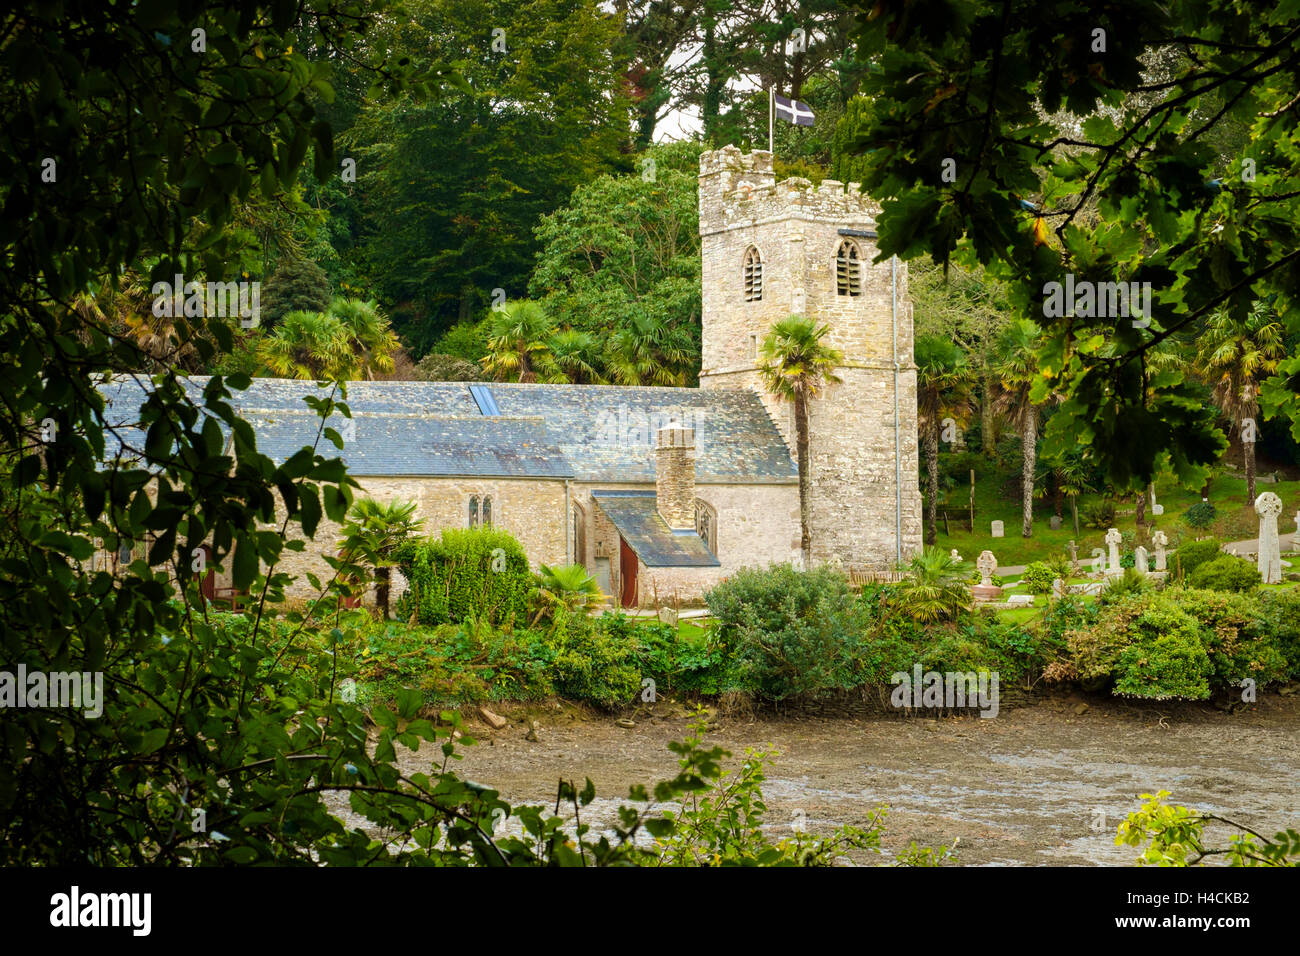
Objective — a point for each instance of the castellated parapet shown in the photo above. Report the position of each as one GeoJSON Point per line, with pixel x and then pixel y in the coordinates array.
{"type": "Point", "coordinates": [799, 233]}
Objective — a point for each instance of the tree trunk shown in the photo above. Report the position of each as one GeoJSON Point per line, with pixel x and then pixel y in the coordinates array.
{"type": "Point", "coordinates": [1074, 513]}
{"type": "Point", "coordinates": [383, 581]}
{"type": "Point", "coordinates": [932, 482]}
{"type": "Point", "coordinates": [1248, 459]}
{"type": "Point", "coordinates": [1140, 515]}
{"type": "Point", "coordinates": [1058, 497]}
{"type": "Point", "coordinates": [1029, 438]}
{"type": "Point", "coordinates": [805, 479]}
{"type": "Point", "coordinates": [986, 418]}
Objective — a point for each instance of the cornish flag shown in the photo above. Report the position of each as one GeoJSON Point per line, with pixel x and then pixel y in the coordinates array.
{"type": "Point", "coordinates": [792, 110]}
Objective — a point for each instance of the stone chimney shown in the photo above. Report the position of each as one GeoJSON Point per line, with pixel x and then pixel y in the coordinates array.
{"type": "Point", "coordinates": [675, 476]}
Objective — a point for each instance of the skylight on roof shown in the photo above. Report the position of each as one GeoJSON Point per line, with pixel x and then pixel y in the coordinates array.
{"type": "Point", "coordinates": [483, 397]}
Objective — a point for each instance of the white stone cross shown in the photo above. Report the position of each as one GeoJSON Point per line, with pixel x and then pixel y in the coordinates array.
{"type": "Point", "coordinates": [1113, 538]}
{"type": "Point", "coordinates": [986, 564]}
{"type": "Point", "coordinates": [1268, 506]}
{"type": "Point", "coordinates": [1160, 540]}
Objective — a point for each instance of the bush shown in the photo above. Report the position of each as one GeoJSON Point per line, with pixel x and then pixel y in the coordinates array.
{"type": "Point", "coordinates": [1100, 514]}
{"type": "Point", "coordinates": [1200, 515]}
{"type": "Point", "coordinates": [1226, 573]}
{"type": "Point", "coordinates": [1171, 665]}
{"type": "Point", "coordinates": [593, 665]}
{"type": "Point", "coordinates": [1193, 554]}
{"type": "Point", "coordinates": [440, 367]}
{"type": "Point", "coordinates": [1279, 623]}
{"type": "Point", "coordinates": [1237, 649]}
{"type": "Point", "coordinates": [1038, 577]}
{"type": "Point", "coordinates": [787, 632]}
{"type": "Point", "coordinates": [453, 578]}
{"type": "Point", "coordinates": [1129, 583]}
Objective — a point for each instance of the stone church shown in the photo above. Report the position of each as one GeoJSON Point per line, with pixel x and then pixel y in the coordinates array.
{"type": "Point", "coordinates": [663, 492]}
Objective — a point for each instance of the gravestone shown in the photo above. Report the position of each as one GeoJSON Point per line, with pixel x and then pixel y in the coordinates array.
{"type": "Point", "coordinates": [1074, 551]}
{"type": "Point", "coordinates": [1058, 588]}
{"type": "Point", "coordinates": [1113, 538]}
{"type": "Point", "coordinates": [998, 530]}
{"type": "Point", "coordinates": [1054, 522]}
{"type": "Point", "coordinates": [1161, 540]}
{"type": "Point", "coordinates": [1140, 559]}
{"type": "Point", "coordinates": [986, 590]}
{"type": "Point", "coordinates": [955, 555]}
{"type": "Point", "coordinates": [1268, 506]}
{"type": "Point", "coordinates": [668, 615]}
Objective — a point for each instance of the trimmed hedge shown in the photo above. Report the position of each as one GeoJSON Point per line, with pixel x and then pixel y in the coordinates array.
{"type": "Point", "coordinates": [1226, 573]}
{"type": "Point", "coordinates": [1193, 554]}
{"type": "Point", "coordinates": [481, 573]}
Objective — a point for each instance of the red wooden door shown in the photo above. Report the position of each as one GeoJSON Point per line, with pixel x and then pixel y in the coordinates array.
{"type": "Point", "coordinates": [627, 574]}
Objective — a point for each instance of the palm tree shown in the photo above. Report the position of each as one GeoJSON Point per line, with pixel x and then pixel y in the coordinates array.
{"type": "Point", "coordinates": [565, 589]}
{"type": "Point", "coordinates": [517, 337]}
{"type": "Point", "coordinates": [572, 351]}
{"type": "Point", "coordinates": [350, 340]}
{"type": "Point", "coordinates": [943, 390]}
{"type": "Point", "coordinates": [1016, 367]}
{"type": "Point", "coordinates": [1069, 474]}
{"type": "Point", "coordinates": [795, 366]}
{"type": "Point", "coordinates": [1235, 354]}
{"type": "Point", "coordinates": [647, 351]}
{"type": "Point", "coordinates": [372, 534]}
{"type": "Point", "coordinates": [933, 588]}
{"type": "Point", "coordinates": [370, 338]}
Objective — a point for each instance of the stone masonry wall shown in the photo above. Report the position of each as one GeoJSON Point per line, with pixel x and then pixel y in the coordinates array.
{"type": "Point", "coordinates": [796, 229]}
{"type": "Point", "coordinates": [531, 510]}
{"type": "Point", "coordinates": [757, 525]}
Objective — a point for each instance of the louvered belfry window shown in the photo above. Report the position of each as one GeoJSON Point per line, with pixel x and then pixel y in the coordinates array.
{"type": "Point", "coordinates": [753, 275]}
{"type": "Point", "coordinates": [848, 270]}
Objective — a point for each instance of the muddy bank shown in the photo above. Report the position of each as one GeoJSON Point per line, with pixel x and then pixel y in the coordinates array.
{"type": "Point", "coordinates": [1040, 784]}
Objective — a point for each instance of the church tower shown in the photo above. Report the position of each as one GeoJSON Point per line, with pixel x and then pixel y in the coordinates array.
{"type": "Point", "coordinates": [774, 249]}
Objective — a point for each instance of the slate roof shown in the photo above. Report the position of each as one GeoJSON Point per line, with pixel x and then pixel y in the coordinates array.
{"type": "Point", "coordinates": [636, 516]}
{"type": "Point", "coordinates": [588, 432]}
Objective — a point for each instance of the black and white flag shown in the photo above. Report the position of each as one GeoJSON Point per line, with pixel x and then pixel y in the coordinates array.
{"type": "Point", "coordinates": [793, 111]}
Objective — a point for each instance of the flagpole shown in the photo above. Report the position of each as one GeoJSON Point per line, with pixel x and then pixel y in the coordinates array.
{"type": "Point", "coordinates": [771, 118]}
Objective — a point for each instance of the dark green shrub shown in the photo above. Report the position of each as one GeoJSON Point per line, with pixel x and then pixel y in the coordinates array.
{"type": "Point", "coordinates": [1124, 585]}
{"type": "Point", "coordinates": [787, 632]}
{"type": "Point", "coordinates": [1200, 515]}
{"type": "Point", "coordinates": [1038, 577]}
{"type": "Point", "coordinates": [1226, 573]}
{"type": "Point", "coordinates": [1100, 514]}
{"type": "Point", "coordinates": [1173, 664]}
{"type": "Point", "coordinates": [297, 285]}
{"type": "Point", "coordinates": [1279, 623]}
{"type": "Point", "coordinates": [479, 573]}
{"type": "Point", "coordinates": [1193, 554]}
{"type": "Point", "coordinates": [593, 665]}
{"type": "Point", "coordinates": [1237, 649]}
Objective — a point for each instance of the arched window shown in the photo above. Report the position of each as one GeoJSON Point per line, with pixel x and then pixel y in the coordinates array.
{"type": "Point", "coordinates": [753, 275]}
{"type": "Point", "coordinates": [487, 509]}
{"type": "Point", "coordinates": [706, 525]}
{"type": "Point", "coordinates": [473, 511]}
{"type": "Point", "coordinates": [848, 269]}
